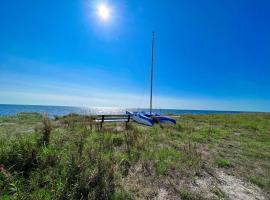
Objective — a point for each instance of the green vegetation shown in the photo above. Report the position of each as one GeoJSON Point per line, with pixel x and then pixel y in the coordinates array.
{"type": "Point", "coordinates": [185, 194]}
{"type": "Point", "coordinates": [223, 163]}
{"type": "Point", "coordinates": [70, 158]}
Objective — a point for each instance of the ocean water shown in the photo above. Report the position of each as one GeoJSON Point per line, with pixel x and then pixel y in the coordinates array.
{"type": "Point", "coordinates": [7, 110]}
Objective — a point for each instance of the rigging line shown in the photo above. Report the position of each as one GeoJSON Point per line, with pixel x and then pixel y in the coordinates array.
{"type": "Point", "coordinates": [152, 71]}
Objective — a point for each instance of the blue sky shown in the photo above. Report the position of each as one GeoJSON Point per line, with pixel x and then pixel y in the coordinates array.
{"type": "Point", "coordinates": [208, 54]}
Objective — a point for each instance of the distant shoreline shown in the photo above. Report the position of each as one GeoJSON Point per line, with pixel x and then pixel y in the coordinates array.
{"type": "Point", "coordinates": [11, 109]}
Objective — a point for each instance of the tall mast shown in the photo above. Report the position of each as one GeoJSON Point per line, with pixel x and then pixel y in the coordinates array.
{"type": "Point", "coordinates": [152, 71]}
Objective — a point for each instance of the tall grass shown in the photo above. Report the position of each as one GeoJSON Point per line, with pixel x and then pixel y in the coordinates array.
{"type": "Point", "coordinates": [46, 129]}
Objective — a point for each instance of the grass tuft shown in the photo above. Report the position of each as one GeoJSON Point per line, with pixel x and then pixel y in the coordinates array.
{"type": "Point", "coordinates": [223, 163]}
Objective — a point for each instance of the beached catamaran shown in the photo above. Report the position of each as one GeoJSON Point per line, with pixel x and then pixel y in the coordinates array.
{"type": "Point", "coordinates": [150, 118]}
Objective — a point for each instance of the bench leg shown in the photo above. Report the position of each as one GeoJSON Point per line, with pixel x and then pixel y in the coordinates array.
{"type": "Point", "coordinates": [100, 125]}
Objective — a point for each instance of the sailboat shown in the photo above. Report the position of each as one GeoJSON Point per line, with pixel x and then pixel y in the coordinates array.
{"type": "Point", "coordinates": [151, 118]}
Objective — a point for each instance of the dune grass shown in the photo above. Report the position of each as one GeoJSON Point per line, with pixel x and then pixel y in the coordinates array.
{"type": "Point", "coordinates": [70, 158]}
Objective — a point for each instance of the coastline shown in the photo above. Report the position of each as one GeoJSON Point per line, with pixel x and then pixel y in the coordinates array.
{"type": "Point", "coordinates": [10, 109]}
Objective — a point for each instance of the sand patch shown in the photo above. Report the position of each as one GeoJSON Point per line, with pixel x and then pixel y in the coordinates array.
{"type": "Point", "coordinates": [237, 189]}
{"type": "Point", "coordinates": [162, 195]}
{"type": "Point", "coordinates": [224, 186]}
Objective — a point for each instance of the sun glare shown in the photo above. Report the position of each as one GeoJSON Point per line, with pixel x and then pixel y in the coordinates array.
{"type": "Point", "coordinates": [104, 12]}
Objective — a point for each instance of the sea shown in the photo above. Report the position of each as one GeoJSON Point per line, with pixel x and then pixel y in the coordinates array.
{"type": "Point", "coordinates": [9, 110]}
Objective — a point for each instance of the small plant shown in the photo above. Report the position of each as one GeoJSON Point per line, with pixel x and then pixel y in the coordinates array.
{"type": "Point", "coordinates": [223, 163]}
{"type": "Point", "coordinates": [46, 130]}
{"type": "Point", "coordinates": [185, 194]}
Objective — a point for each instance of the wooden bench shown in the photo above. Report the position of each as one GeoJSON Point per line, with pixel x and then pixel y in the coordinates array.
{"type": "Point", "coordinates": [112, 118]}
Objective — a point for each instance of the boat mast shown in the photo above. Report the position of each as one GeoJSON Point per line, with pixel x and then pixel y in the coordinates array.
{"type": "Point", "coordinates": [152, 71]}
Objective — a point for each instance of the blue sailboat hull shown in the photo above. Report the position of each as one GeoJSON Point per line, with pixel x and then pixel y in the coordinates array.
{"type": "Point", "coordinates": [141, 118]}
{"type": "Point", "coordinates": [150, 119]}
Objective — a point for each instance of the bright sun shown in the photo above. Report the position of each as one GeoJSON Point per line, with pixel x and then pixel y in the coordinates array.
{"type": "Point", "coordinates": [103, 12]}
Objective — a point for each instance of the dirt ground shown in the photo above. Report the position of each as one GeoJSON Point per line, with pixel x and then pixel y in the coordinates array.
{"type": "Point", "coordinates": [214, 185]}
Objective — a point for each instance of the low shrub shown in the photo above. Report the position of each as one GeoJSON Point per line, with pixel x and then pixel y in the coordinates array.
{"type": "Point", "coordinates": [19, 154]}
